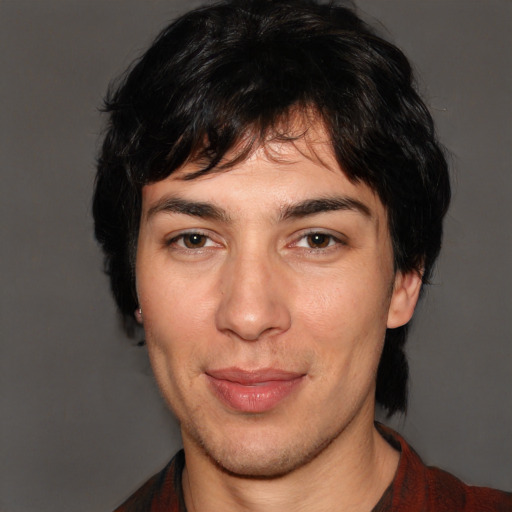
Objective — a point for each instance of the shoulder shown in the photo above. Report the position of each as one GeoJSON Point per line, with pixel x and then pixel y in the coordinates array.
{"type": "Point", "coordinates": [420, 487]}
{"type": "Point", "coordinates": [446, 492]}
{"type": "Point", "coordinates": [161, 492]}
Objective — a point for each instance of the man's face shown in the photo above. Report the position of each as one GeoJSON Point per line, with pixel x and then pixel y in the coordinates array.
{"type": "Point", "coordinates": [266, 292]}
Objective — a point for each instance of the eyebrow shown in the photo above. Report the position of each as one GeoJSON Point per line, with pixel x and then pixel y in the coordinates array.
{"type": "Point", "coordinates": [293, 211]}
{"type": "Point", "coordinates": [192, 208]}
{"type": "Point", "coordinates": [327, 204]}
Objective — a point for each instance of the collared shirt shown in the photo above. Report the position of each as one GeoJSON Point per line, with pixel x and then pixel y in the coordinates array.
{"type": "Point", "coordinates": [415, 488]}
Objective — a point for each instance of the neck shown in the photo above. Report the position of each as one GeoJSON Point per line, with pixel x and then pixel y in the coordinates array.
{"type": "Point", "coordinates": [350, 474]}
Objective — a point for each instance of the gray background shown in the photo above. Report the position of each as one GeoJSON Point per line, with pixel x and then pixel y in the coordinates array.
{"type": "Point", "coordinates": [82, 424]}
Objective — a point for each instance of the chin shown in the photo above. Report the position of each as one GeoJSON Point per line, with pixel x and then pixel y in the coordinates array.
{"type": "Point", "coordinates": [255, 465]}
{"type": "Point", "coordinates": [262, 456]}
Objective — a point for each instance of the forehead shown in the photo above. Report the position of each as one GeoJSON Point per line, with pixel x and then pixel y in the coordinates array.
{"type": "Point", "coordinates": [272, 175]}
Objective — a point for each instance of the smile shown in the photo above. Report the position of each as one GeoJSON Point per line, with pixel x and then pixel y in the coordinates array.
{"type": "Point", "coordinates": [253, 391]}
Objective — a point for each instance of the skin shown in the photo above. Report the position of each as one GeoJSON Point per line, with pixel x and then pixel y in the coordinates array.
{"type": "Point", "coordinates": [261, 284]}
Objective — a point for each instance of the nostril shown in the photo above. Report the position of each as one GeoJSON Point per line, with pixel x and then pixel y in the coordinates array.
{"type": "Point", "coordinates": [253, 319]}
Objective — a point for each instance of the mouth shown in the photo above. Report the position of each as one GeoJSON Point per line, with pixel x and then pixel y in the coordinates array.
{"type": "Point", "coordinates": [253, 391]}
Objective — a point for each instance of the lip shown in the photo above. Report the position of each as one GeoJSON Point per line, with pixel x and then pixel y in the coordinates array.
{"type": "Point", "coordinates": [253, 391]}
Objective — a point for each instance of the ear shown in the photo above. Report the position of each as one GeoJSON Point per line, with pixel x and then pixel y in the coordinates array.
{"type": "Point", "coordinates": [138, 316]}
{"type": "Point", "coordinates": [406, 291]}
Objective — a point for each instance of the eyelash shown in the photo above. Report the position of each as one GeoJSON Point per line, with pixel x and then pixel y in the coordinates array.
{"type": "Point", "coordinates": [174, 241]}
{"type": "Point", "coordinates": [332, 241]}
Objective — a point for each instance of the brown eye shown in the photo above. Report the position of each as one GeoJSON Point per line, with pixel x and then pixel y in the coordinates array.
{"type": "Point", "coordinates": [194, 240]}
{"type": "Point", "coordinates": [318, 240]}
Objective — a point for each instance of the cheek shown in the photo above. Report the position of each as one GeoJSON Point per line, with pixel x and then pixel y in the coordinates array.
{"type": "Point", "coordinates": [172, 302]}
{"type": "Point", "coordinates": [353, 302]}
{"type": "Point", "coordinates": [177, 319]}
{"type": "Point", "coordinates": [176, 337]}
{"type": "Point", "coordinates": [346, 318]}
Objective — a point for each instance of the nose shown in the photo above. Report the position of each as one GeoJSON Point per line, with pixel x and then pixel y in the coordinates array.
{"type": "Point", "coordinates": [254, 302]}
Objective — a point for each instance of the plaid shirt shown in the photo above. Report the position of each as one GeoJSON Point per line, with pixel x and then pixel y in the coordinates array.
{"type": "Point", "coordinates": [415, 488]}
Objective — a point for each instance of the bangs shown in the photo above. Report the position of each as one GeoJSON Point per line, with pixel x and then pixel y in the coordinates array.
{"type": "Point", "coordinates": [229, 147]}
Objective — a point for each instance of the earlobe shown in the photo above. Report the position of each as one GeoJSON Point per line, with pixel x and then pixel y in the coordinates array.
{"type": "Point", "coordinates": [406, 291]}
{"type": "Point", "coordinates": [138, 315]}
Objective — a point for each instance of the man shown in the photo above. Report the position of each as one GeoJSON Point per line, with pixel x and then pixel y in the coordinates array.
{"type": "Point", "coordinates": [270, 197]}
